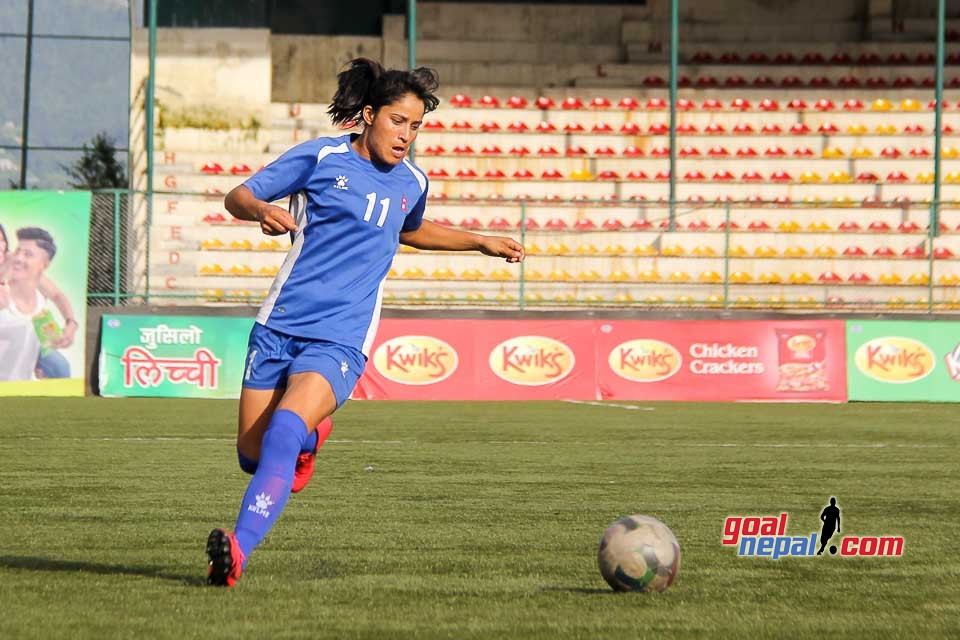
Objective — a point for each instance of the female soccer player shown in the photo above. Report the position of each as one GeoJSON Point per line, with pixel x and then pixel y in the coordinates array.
{"type": "Point", "coordinates": [353, 198]}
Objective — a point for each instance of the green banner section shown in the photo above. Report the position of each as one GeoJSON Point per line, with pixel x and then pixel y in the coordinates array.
{"type": "Point", "coordinates": [904, 361]}
{"type": "Point", "coordinates": [173, 356]}
{"type": "Point", "coordinates": [44, 243]}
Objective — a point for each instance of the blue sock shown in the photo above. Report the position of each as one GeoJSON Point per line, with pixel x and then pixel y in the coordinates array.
{"type": "Point", "coordinates": [311, 442]}
{"type": "Point", "coordinates": [269, 488]}
{"type": "Point", "coordinates": [246, 464]}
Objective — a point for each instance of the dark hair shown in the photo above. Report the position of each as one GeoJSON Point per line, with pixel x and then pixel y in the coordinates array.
{"type": "Point", "coordinates": [41, 236]}
{"type": "Point", "coordinates": [366, 82]}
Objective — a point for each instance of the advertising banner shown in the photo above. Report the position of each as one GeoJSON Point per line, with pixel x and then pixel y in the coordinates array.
{"type": "Point", "coordinates": [903, 360]}
{"type": "Point", "coordinates": [589, 359]}
{"type": "Point", "coordinates": [173, 356]}
{"type": "Point", "coordinates": [44, 238]}
{"type": "Point", "coordinates": [714, 360]}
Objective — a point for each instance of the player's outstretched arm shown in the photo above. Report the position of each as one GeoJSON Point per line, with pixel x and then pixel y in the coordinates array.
{"type": "Point", "coordinates": [435, 237]}
{"type": "Point", "coordinates": [273, 220]}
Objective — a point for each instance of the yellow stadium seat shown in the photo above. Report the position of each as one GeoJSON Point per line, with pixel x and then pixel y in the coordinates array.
{"type": "Point", "coordinates": [685, 299]}
{"type": "Point", "coordinates": [806, 301]}
{"type": "Point", "coordinates": [213, 294]}
{"type": "Point", "coordinates": [649, 275]}
{"type": "Point", "coordinates": [764, 251]}
{"type": "Point", "coordinates": [919, 278]}
{"type": "Point", "coordinates": [615, 250]}
{"type": "Point", "coordinates": [241, 270]}
{"type": "Point", "coordinates": [745, 301]}
{"type": "Point", "coordinates": [839, 177]}
{"type": "Point", "coordinates": [417, 296]}
{"type": "Point", "coordinates": [214, 243]}
{"type": "Point", "coordinates": [392, 273]}
{"type": "Point", "coordinates": [710, 276]}
{"type": "Point", "coordinates": [890, 278]}
{"type": "Point", "coordinates": [833, 152]}
{"type": "Point", "coordinates": [819, 225]}
{"type": "Point", "coordinates": [561, 275]}
{"type": "Point", "coordinates": [623, 297]}
{"type": "Point", "coordinates": [950, 152]}
{"type": "Point", "coordinates": [952, 177]}
{"type": "Point", "coordinates": [581, 174]}
{"type": "Point", "coordinates": [776, 301]}
{"type": "Point", "coordinates": [466, 274]}
{"type": "Point", "coordinates": [737, 251]}
{"type": "Point", "coordinates": [770, 277]}
{"type": "Point", "coordinates": [800, 277]}
{"type": "Point", "coordinates": [503, 296]}
{"type": "Point", "coordinates": [949, 279]}
{"type": "Point", "coordinates": [644, 250]}
{"type": "Point", "coordinates": [407, 249]}
{"type": "Point", "coordinates": [809, 177]}
{"type": "Point", "coordinates": [533, 274]}
{"type": "Point", "coordinates": [672, 250]}
{"type": "Point", "coordinates": [925, 177]}
{"type": "Point", "coordinates": [211, 269]}
{"type": "Point", "coordinates": [593, 297]}
{"type": "Point", "coordinates": [789, 226]}
{"type": "Point", "coordinates": [501, 274]}
{"type": "Point", "coordinates": [824, 251]}
{"type": "Point", "coordinates": [444, 273]}
{"type": "Point", "coordinates": [558, 248]}
{"type": "Point", "coordinates": [564, 297]}
{"type": "Point", "coordinates": [740, 277]}
{"type": "Point", "coordinates": [812, 199]}
{"type": "Point", "coordinates": [271, 270]}
{"type": "Point", "coordinates": [857, 129]}
{"type": "Point", "coordinates": [703, 251]}
{"type": "Point", "coordinates": [909, 104]}
{"type": "Point", "coordinates": [654, 299]}
{"type": "Point", "coordinates": [590, 276]}
{"type": "Point", "coordinates": [679, 276]}
{"type": "Point", "coordinates": [532, 249]}
{"type": "Point", "coordinates": [861, 152]}
{"type": "Point", "coordinates": [881, 104]}
{"type": "Point", "coordinates": [447, 295]}
{"type": "Point", "coordinates": [587, 249]}
{"type": "Point", "coordinates": [843, 201]}
{"type": "Point", "coordinates": [794, 252]}
{"type": "Point", "coordinates": [417, 272]}
{"type": "Point", "coordinates": [714, 300]}
{"type": "Point", "coordinates": [475, 296]}
{"type": "Point", "coordinates": [271, 244]}
{"type": "Point", "coordinates": [886, 129]}
{"type": "Point", "coordinates": [896, 301]}
{"type": "Point", "coordinates": [532, 296]}
{"type": "Point", "coordinates": [241, 245]}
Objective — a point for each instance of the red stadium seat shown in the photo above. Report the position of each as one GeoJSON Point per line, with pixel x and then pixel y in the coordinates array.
{"type": "Point", "coordinates": [488, 101]}
{"type": "Point", "coordinates": [848, 82]}
{"type": "Point", "coordinates": [575, 151]}
{"type": "Point", "coordinates": [608, 175]}
{"type": "Point", "coordinates": [718, 151]}
{"type": "Point", "coordinates": [549, 127]}
{"type": "Point", "coordinates": [694, 176]}
{"type": "Point", "coordinates": [240, 169]}
{"type": "Point", "coordinates": [763, 81]}
{"type": "Point", "coordinates": [685, 104]}
{"type": "Point", "coordinates": [519, 151]}
{"type": "Point", "coordinates": [797, 105]}
{"type": "Point", "coordinates": [517, 102]}
{"type": "Point", "coordinates": [555, 224]}
{"type": "Point", "coordinates": [867, 177]}
{"type": "Point", "coordinates": [711, 104]}
{"type": "Point", "coordinates": [791, 81]}
{"type": "Point", "coordinates": [460, 100]}
{"type": "Point", "coordinates": [828, 128]}
{"type": "Point", "coordinates": [751, 176]}
{"type": "Point", "coordinates": [775, 152]}
{"type": "Point", "coordinates": [653, 81]}
{"type": "Point", "coordinates": [908, 226]}
{"type": "Point", "coordinates": [799, 128]}
{"type": "Point", "coordinates": [824, 104]}
{"type": "Point", "coordinates": [517, 126]}
{"type": "Point", "coordinates": [602, 127]}
{"type": "Point", "coordinates": [612, 224]}
{"type": "Point", "coordinates": [658, 129]}
{"type": "Point", "coordinates": [604, 151]}
{"type": "Point", "coordinates": [461, 125]}
{"type": "Point", "coordinates": [630, 128]}
{"type": "Point", "coordinates": [714, 129]}
{"type": "Point", "coordinates": [211, 168]}
{"type": "Point", "coordinates": [471, 223]}
{"type": "Point", "coordinates": [689, 152]}
{"type": "Point", "coordinates": [743, 128]}
{"type": "Point", "coordinates": [803, 152]}
{"type": "Point", "coordinates": [723, 176]}
{"type": "Point", "coordinates": [547, 150]}
{"type": "Point", "coordinates": [780, 176]}
{"type": "Point", "coordinates": [570, 127]}
{"type": "Point", "coordinates": [523, 174]}
{"type": "Point", "coordinates": [491, 150]}
{"type": "Point", "coordinates": [686, 128]}
{"type": "Point", "coordinates": [628, 103]}
{"type": "Point", "coordinates": [495, 174]}
{"type": "Point", "coordinates": [600, 103]}
{"type": "Point", "coordinates": [437, 172]}
{"type": "Point", "coordinates": [584, 224]}
{"type": "Point", "coordinates": [551, 174]}
{"type": "Point", "coordinates": [740, 104]}
{"type": "Point", "coordinates": [757, 57]}
{"type": "Point", "coordinates": [466, 173]}
{"type": "Point", "coordinates": [489, 126]}
{"type": "Point", "coordinates": [660, 152]}
{"type": "Point", "coordinates": [848, 226]}
{"type": "Point", "coordinates": [571, 103]}
{"type": "Point", "coordinates": [746, 152]}
{"type": "Point", "coordinates": [434, 150]}
{"type": "Point", "coordinates": [890, 152]}
{"type": "Point", "coordinates": [841, 58]}
{"type": "Point", "coordinates": [463, 149]}
{"type": "Point", "coordinates": [637, 174]}
{"type": "Point", "coordinates": [771, 129]}
{"type": "Point", "coordinates": [632, 151]}
{"type": "Point", "coordinates": [545, 103]}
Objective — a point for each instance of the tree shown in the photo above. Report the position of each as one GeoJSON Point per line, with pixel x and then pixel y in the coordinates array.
{"type": "Point", "coordinates": [98, 168]}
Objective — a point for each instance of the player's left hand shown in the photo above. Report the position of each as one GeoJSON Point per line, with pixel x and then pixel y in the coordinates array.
{"type": "Point", "coordinates": [499, 247]}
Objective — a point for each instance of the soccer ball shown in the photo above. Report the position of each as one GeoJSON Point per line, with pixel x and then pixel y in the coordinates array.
{"type": "Point", "coordinates": [639, 553]}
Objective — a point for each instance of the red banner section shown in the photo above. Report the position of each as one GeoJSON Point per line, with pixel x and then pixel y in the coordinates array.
{"type": "Point", "coordinates": [595, 359]}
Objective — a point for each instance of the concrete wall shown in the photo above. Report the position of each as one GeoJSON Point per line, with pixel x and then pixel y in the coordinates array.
{"type": "Point", "coordinates": [227, 69]}
{"type": "Point", "coordinates": [305, 67]}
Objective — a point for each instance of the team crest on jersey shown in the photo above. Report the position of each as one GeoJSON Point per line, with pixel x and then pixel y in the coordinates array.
{"type": "Point", "coordinates": [403, 203]}
{"type": "Point", "coordinates": [341, 183]}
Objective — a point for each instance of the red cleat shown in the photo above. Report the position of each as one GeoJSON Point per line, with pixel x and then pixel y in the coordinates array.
{"type": "Point", "coordinates": [224, 559]}
{"type": "Point", "coordinates": [305, 461]}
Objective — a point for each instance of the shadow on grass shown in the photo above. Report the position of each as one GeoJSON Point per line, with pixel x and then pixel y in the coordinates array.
{"type": "Point", "coordinates": [581, 590]}
{"type": "Point", "coordinates": [34, 563]}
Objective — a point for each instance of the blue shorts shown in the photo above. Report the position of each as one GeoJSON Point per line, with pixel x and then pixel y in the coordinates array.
{"type": "Point", "coordinates": [272, 357]}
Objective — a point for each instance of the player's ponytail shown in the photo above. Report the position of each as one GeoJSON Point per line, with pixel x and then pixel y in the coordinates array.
{"type": "Point", "coordinates": [366, 82]}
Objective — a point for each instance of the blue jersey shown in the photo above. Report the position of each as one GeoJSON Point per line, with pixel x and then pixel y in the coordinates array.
{"type": "Point", "coordinates": [349, 214]}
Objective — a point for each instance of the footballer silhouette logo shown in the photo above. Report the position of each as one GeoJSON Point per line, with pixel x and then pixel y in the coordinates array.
{"type": "Point", "coordinates": [341, 183]}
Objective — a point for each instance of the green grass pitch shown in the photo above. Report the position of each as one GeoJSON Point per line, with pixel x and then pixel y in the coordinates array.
{"type": "Point", "coordinates": [478, 520]}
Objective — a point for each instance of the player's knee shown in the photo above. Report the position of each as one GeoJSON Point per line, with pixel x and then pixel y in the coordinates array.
{"type": "Point", "coordinates": [246, 464]}
{"type": "Point", "coordinates": [284, 436]}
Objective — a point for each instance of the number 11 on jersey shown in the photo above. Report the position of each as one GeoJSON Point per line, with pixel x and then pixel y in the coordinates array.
{"type": "Point", "coordinates": [384, 206]}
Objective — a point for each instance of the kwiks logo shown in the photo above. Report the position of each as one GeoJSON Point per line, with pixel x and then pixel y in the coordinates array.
{"type": "Point", "coordinates": [766, 536]}
{"type": "Point", "coordinates": [531, 360]}
{"type": "Point", "coordinates": [953, 363]}
{"type": "Point", "coordinates": [645, 360]}
{"type": "Point", "coordinates": [415, 360]}
{"type": "Point", "coordinates": [895, 359]}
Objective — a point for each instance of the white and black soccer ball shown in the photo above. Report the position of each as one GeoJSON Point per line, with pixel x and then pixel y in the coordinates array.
{"type": "Point", "coordinates": [639, 553]}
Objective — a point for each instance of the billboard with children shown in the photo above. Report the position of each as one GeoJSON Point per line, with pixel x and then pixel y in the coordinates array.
{"type": "Point", "coordinates": [44, 240]}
